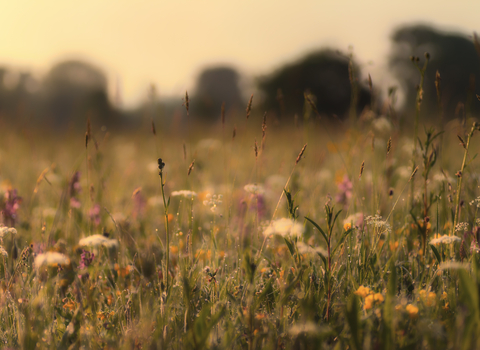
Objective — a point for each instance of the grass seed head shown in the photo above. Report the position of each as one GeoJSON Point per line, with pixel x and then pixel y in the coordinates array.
{"type": "Point", "coordinates": [300, 154]}
{"type": "Point", "coordinates": [190, 168]}
{"type": "Point", "coordinates": [361, 170]}
{"type": "Point", "coordinates": [249, 106]}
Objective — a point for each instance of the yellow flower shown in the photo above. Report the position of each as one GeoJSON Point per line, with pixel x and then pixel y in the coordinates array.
{"type": "Point", "coordinates": [347, 226]}
{"type": "Point", "coordinates": [174, 249]}
{"type": "Point", "coordinates": [412, 311]}
{"type": "Point", "coordinates": [363, 291]}
{"type": "Point", "coordinates": [378, 298]}
{"type": "Point", "coordinates": [368, 302]}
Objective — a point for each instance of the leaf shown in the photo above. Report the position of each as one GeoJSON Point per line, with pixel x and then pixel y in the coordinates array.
{"type": "Point", "coordinates": [319, 229]}
{"type": "Point", "coordinates": [290, 246]}
{"type": "Point", "coordinates": [341, 240]}
{"type": "Point", "coordinates": [437, 254]}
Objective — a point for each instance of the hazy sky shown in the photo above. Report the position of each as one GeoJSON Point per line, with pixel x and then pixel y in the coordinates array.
{"type": "Point", "coordinates": [167, 42]}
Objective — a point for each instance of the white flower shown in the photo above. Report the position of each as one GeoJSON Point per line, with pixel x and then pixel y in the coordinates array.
{"type": "Point", "coordinates": [445, 240]}
{"type": "Point", "coordinates": [184, 193]}
{"type": "Point", "coordinates": [254, 189]}
{"type": "Point", "coordinates": [382, 125]}
{"type": "Point", "coordinates": [98, 240]}
{"type": "Point", "coordinates": [155, 201]}
{"type": "Point", "coordinates": [284, 227]}
{"type": "Point", "coordinates": [306, 249]}
{"type": "Point", "coordinates": [3, 251]}
{"type": "Point", "coordinates": [51, 259]}
{"type": "Point", "coordinates": [5, 230]}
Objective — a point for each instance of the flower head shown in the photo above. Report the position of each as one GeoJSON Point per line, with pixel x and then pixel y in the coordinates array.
{"type": "Point", "coordinates": [284, 227]}
{"type": "Point", "coordinates": [98, 240]}
{"type": "Point", "coordinates": [51, 259]}
{"type": "Point", "coordinates": [184, 193]}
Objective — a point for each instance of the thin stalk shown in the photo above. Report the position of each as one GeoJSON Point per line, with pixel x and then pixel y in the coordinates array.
{"type": "Point", "coordinates": [460, 177]}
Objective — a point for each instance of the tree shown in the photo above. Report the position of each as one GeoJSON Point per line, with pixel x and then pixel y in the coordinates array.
{"type": "Point", "coordinates": [75, 89]}
{"type": "Point", "coordinates": [453, 55]}
{"type": "Point", "coordinates": [325, 74]}
{"type": "Point", "coordinates": [215, 86]}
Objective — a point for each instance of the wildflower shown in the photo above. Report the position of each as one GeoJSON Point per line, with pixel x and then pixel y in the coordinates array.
{"type": "Point", "coordinates": [184, 193]}
{"type": "Point", "coordinates": [254, 189]}
{"type": "Point", "coordinates": [377, 222]}
{"type": "Point", "coordinates": [94, 214]}
{"type": "Point", "coordinates": [11, 205]}
{"type": "Point", "coordinates": [284, 227]}
{"type": "Point", "coordinates": [74, 189]}
{"type": "Point", "coordinates": [445, 239]}
{"type": "Point", "coordinates": [369, 301]}
{"type": "Point", "coordinates": [52, 259]}
{"type": "Point", "coordinates": [412, 311]}
{"type": "Point", "coordinates": [462, 226]}
{"type": "Point", "coordinates": [363, 291]}
{"type": "Point", "coordinates": [86, 258]}
{"type": "Point", "coordinates": [174, 249]}
{"type": "Point", "coordinates": [213, 202]}
{"type": "Point", "coordinates": [98, 240]}
{"type": "Point", "coordinates": [355, 219]}
{"type": "Point", "coordinates": [346, 191]}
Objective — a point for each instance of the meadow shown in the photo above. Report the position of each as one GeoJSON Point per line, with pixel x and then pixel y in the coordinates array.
{"type": "Point", "coordinates": [358, 235]}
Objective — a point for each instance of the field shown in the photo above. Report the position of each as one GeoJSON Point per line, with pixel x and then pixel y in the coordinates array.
{"type": "Point", "coordinates": [312, 236]}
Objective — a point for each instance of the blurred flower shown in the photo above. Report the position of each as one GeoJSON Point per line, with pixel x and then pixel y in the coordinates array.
{"type": "Point", "coordinates": [213, 202]}
{"type": "Point", "coordinates": [86, 259]}
{"type": "Point", "coordinates": [363, 291]}
{"type": "Point", "coordinates": [412, 311]}
{"type": "Point", "coordinates": [74, 188]}
{"type": "Point", "coordinates": [184, 193]}
{"type": "Point", "coordinates": [445, 239]}
{"type": "Point", "coordinates": [346, 191]}
{"type": "Point", "coordinates": [98, 240]}
{"type": "Point", "coordinates": [51, 259]}
{"type": "Point", "coordinates": [10, 206]}
{"type": "Point", "coordinates": [284, 227]}
{"type": "Point", "coordinates": [306, 249]}
{"type": "Point", "coordinates": [139, 202]}
{"type": "Point", "coordinates": [382, 126]}
{"type": "Point", "coordinates": [355, 219]}
{"type": "Point", "coordinates": [254, 189]}
{"type": "Point", "coordinates": [94, 214]}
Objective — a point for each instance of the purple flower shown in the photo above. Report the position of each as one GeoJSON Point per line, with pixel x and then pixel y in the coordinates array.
{"type": "Point", "coordinates": [74, 189]}
{"type": "Point", "coordinates": [10, 207]}
{"type": "Point", "coordinates": [86, 259]}
{"type": "Point", "coordinates": [346, 191]}
{"type": "Point", "coordinates": [94, 214]}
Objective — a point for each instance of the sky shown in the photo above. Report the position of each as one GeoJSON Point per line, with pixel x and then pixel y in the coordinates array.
{"type": "Point", "coordinates": [168, 42]}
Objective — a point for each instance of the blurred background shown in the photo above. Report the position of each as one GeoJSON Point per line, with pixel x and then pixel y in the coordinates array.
{"type": "Point", "coordinates": [123, 63]}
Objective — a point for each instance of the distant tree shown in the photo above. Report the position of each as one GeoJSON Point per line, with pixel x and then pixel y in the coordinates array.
{"type": "Point", "coordinates": [453, 55]}
{"type": "Point", "coordinates": [215, 86]}
{"type": "Point", "coordinates": [325, 74]}
{"type": "Point", "coordinates": [74, 89]}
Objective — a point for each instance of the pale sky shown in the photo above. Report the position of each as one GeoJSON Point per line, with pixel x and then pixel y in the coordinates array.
{"type": "Point", "coordinates": [168, 42]}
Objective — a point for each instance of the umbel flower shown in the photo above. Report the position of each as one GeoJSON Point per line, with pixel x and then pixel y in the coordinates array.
{"type": "Point", "coordinates": [184, 193]}
{"type": "Point", "coordinates": [51, 259]}
{"type": "Point", "coordinates": [284, 227]}
{"type": "Point", "coordinates": [98, 240]}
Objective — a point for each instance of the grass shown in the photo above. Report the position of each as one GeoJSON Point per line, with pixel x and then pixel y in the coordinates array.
{"type": "Point", "coordinates": [350, 242]}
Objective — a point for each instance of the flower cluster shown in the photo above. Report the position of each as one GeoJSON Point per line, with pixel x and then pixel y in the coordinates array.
{"type": "Point", "coordinates": [11, 206]}
{"type": "Point", "coordinates": [184, 193]}
{"type": "Point", "coordinates": [370, 298]}
{"type": "Point", "coordinates": [98, 240]}
{"type": "Point", "coordinates": [284, 227]}
{"type": "Point", "coordinates": [213, 202]}
{"type": "Point", "coordinates": [445, 239]}
{"type": "Point", "coordinates": [254, 189]}
{"type": "Point", "coordinates": [377, 222]}
{"type": "Point", "coordinates": [461, 226]}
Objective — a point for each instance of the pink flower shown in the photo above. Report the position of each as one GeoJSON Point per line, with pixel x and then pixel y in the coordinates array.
{"type": "Point", "coordinates": [94, 214]}
{"type": "Point", "coordinates": [11, 205]}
